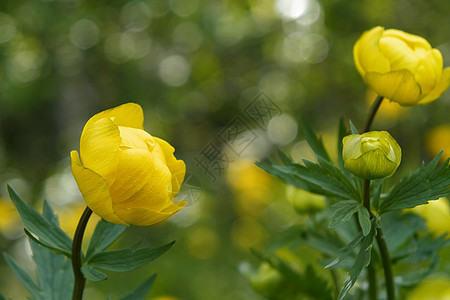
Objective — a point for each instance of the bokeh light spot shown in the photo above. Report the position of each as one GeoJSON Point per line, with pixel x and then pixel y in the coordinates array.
{"type": "Point", "coordinates": [282, 129]}
{"type": "Point", "coordinates": [174, 70]}
{"type": "Point", "coordinates": [84, 34]}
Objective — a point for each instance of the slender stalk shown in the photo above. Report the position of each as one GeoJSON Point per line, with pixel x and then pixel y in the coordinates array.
{"type": "Point", "coordinates": [376, 104]}
{"type": "Point", "coordinates": [372, 278]}
{"type": "Point", "coordinates": [384, 252]}
{"type": "Point", "coordinates": [76, 255]}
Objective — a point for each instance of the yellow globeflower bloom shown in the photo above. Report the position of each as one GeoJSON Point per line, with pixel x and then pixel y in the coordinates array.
{"type": "Point", "coordinates": [371, 155]}
{"type": "Point", "coordinates": [124, 174]}
{"type": "Point", "coordinates": [431, 289]}
{"type": "Point", "coordinates": [437, 216]}
{"type": "Point", "coordinates": [400, 66]}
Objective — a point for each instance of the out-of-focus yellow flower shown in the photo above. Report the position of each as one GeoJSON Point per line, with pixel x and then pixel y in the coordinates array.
{"type": "Point", "coordinates": [371, 155]}
{"type": "Point", "coordinates": [431, 289]}
{"type": "Point", "coordinates": [9, 217]}
{"type": "Point", "coordinates": [437, 216]}
{"type": "Point", "coordinates": [165, 298]}
{"type": "Point", "coordinates": [303, 201]}
{"type": "Point", "coordinates": [400, 66]}
{"type": "Point", "coordinates": [438, 139]}
{"type": "Point", "coordinates": [251, 186]}
{"type": "Point", "coordinates": [124, 174]}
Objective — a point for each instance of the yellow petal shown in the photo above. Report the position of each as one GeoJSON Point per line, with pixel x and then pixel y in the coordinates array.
{"type": "Point", "coordinates": [133, 138]}
{"type": "Point", "coordinates": [414, 41]}
{"type": "Point", "coordinates": [176, 166]}
{"type": "Point", "coordinates": [367, 54]}
{"type": "Point", "coordinates": [94, 189]}
{"type": "Point", "coordinates": [429, 71]}
{"type": "Point", "coordinates": [99, 148]}
{"type": "Point", "coordinates": [442, 85]}
{"type": "Point", "coordinates": [142, 181]}
{"type": "Point", "coordinates": [399, 54]}
{"type": "Point", "coordinates": [399, 86]}
{"type": "Point", "coordinates": [144, 216]}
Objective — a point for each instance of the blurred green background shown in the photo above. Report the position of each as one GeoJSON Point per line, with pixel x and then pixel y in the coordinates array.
{"type": "Point", "coordinates": [194, 66]}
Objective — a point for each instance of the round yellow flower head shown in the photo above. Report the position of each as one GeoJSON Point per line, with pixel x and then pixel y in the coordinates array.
{"type": "Point", "coordinates": [437, 216]}
{"type": "Point", "coordinates": [431, 289]}
{"type": "Point", "coordinates": [371, 155]}
{"type": "Point", "coordinates": [400, 66]}
{"type": "Point", "coordinates": [126, 175]}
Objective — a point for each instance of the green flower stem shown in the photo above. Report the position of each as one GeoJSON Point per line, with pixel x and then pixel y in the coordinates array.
{"type": "Point", "coordinates": [376, 104]}
{"type": "Point", "coordinates": [384, 252]}
{"type": "Point", "coordinates": [76, 255]}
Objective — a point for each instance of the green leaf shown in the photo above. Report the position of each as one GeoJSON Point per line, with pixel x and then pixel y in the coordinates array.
{"type": "Point", "coordinates": [284, 158]}
{"type": "Point", "coordinates": [46, 231]}
{"type": "Point", "coordinates": [353, 127]}
{"type": "Point", "coordinates": [346, 251]}
{"type": "Point", "coordinates": [342, 212]}
{"type": "Point", "coordinates": [104, 235]}
{"type": "Point", "coordinates": [54, 273]}
{"type": "Point", "coordinates": [362, 261]}
{"type": "Point", "coordinates": [423, 185]}
{"type": "Point", "coordinates": [125, 260]}
{"type": "Point", "coordinates": [2, 297]}
{"type": "Point", "coordinates": [364, 220]}
{"type": "Point", "coordinates": [141, 291]}
{"type": "Point", "coordinates": [93, 274]}
{"type": "Point", "coordinates": [314, 142]}
{"type": "Point", "coordinates": [24, 278]}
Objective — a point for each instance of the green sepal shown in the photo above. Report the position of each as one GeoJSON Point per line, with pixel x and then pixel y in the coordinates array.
{"type": "Point", "coordinates": [24, 278]}
{"type": "Point", "coordinates": [45, 230]}
{"type": "Point", "coordinates": [425, 184]}
{"type": "Point", "coordinates": [93, 274]}
{"type": "Point", "coordinates": [141, 291]}
{"type": "Point", "coordinates": [342, 132]}
{"type": "Point", "coordinates": [342, 212]}
{"type": "Point", "coordinates": [104, 235]}
{"type": "Point", "coordinates": [128, 259]}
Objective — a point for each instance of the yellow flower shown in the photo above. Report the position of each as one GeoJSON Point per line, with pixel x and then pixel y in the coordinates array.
{"type": "Point", "coordinates": [438, 139]}
{"type": "Point", "coordinates": [400, 66]}
{"type": "Point", "coordinates": [371, 155]}
{"type": "Point", "coordinates": [126, 175]}
{"type": "Point", "coordinates": [431, 289]}
{"type": "Point", "coordinates": [437, 216]}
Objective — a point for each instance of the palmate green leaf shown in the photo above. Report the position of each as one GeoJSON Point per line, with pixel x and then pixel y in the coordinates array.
{"type": "Point", "coordinates": [45, 230]}
{"type": "Point", "coordinates": [141, 291]}
{"type": "Point", "coordinates": [125, 260]}
{"type": "Point", "coordinates": [24, 278]}
{"type": "Point", "coordinates": [54, 273]}
{"type": "Point", "coordinates": [105, 234]}
{"type": "Point", "coordinates": [315, 142]}
{"type": "Point", "coordinates": [342, 212]}
{"type": "Point", "coordinates": [362, 261]}
{"type": "Point", "coordinates": [93, 274]}
{"type": "Point", "coordinates": [320, 178]}
{"type": "Point", "coordinates": [425, 184]}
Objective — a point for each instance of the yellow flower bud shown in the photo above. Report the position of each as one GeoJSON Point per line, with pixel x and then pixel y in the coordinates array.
{"type": "Point", "coordinates": [400, 66]}
{"type": "Point", "coordinates": [371, 155]}
{"type": "Point", "coordinates": [124, 174]}
{"type": "Point", "coordinates": [303, 201]}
